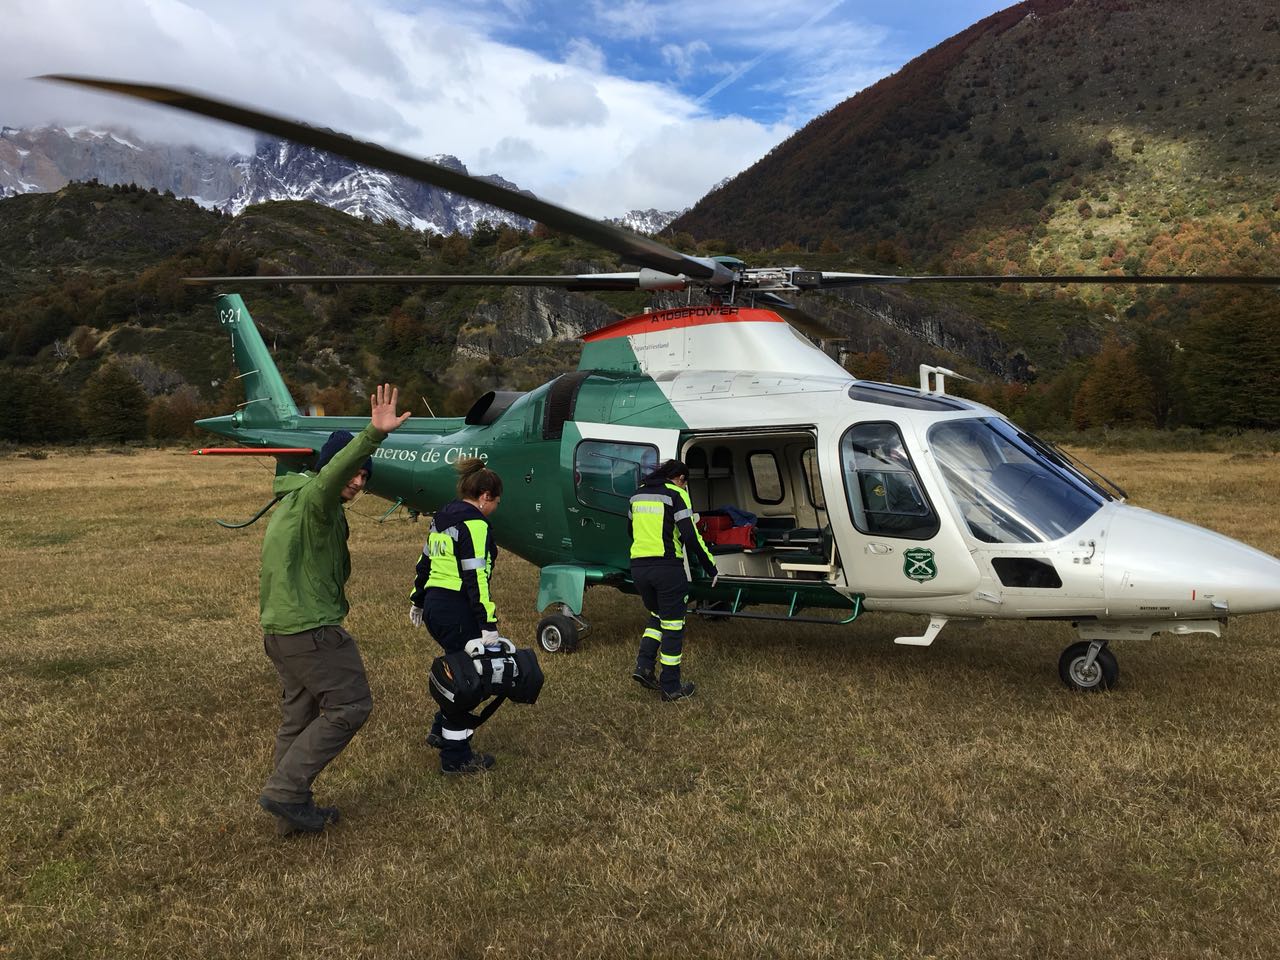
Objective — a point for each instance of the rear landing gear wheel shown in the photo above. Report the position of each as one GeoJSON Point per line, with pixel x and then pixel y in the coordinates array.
{"type": "Point", "coordinates": [558, 633]}
{"type": "Point", "coordinates": [1088, 666]}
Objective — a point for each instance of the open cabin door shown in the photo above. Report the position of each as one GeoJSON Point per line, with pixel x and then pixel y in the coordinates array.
{"type": "Point", "coordinates": [896, 538]}
{"type": "Point", "coordinates": [603, 465]}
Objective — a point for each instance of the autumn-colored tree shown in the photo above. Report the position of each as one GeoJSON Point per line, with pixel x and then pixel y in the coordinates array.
{"type": "Point", "coordinates": [455, 248]}
{"type": "Point", "coordinates": [508, 237]}
{"type": "Point", "coordinates": [542, 232]}
{"type": "Point", "coordinates": [174, 416]}
{"type": "Point", "coordinates": [337, 401]}
{"type": "Point", "coordinates": [873, 365]}
{"type": "Point", "coordinates": [1115, 389]}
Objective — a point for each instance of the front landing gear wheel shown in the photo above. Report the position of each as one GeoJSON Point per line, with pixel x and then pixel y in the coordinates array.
{"type": "Point", "coordinates": [558, 633]}
{"type": "Point", "coordinates": [1088, 666]}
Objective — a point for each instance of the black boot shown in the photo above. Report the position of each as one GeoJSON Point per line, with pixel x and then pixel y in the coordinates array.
{"type": "Point", "coordinates": [681, 692]}
{"type": "Point", "coordinates": [476, 763]}
{"type": "Point", "coordinates": [300, 817]}
{"type": "Point", "coordinates": [286, 829]}
{"type": "Point", "coordinates": [645, 678]}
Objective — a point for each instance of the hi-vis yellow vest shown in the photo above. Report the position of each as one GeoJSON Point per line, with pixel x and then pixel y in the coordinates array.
{"type": "Point", "coordinates": [655, 513]}
{"type": "Point", "coordinates": [459, 560]}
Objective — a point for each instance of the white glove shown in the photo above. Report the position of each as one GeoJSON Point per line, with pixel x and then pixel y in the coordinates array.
{"type": "Point", "coordinates": [489, 642]}
{"type": "Point", "coordinates": [415, 615]}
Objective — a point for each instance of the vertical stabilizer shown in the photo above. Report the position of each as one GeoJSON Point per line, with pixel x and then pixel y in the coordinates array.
{"type": "Point", "coordinates": [266, 398]}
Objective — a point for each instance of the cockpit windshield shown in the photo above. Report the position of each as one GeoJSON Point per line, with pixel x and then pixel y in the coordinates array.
{"type": "Point", "coordinates": [1009, 487]}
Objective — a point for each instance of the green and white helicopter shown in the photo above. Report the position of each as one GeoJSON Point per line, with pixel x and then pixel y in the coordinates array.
{"type": "Point", "coordinates": [865, 496]}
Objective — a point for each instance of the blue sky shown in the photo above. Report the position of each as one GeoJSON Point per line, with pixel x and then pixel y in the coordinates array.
{"type": "Point", "coordinates": [603, 107]}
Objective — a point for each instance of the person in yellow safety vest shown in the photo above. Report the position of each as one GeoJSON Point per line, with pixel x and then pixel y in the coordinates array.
{"type": "Point", "coordinates": [661, 525]}
{"type": "Point", "coordinates": [451, 595]}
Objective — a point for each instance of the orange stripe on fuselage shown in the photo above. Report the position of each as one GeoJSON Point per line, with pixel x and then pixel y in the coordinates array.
{"type": "Point", "coordinates": [680, 317]}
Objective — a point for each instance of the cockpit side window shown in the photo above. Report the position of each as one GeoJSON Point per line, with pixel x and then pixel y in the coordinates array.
{"type": "Point", "coordinates": [883, 488]}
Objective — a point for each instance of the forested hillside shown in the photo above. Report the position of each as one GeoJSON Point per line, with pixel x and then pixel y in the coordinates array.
{"type": "Point", "coordinates": [90, 288]}
{"type": "Point", "coordinates": [1058, 136]}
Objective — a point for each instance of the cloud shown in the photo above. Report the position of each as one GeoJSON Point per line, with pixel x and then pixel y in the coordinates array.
{"type": "Point", "coordinates": [585, 55]}
{"type": "Point", "coordinates": [674, 163]}
{"type": "Point", "coordinates": [563, 102]}
{"type": "Point", "coordinates": [631, 19]}
{"type": "Point", "coordinates": [684, 59]}
{"type": "Point", "coordinates": [507, 155]}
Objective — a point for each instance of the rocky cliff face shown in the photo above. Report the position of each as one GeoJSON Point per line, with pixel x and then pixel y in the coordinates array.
{"type": "Point", "coordinates": [519, 319]}
{"type": "Point", "coordinates": [910, 332]}
{"type": "Point", "coordinates": [46, 159]}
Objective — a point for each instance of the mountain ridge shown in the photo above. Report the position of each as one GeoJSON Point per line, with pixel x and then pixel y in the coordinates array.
{"type": "Point", "coordinates": [44, 159]}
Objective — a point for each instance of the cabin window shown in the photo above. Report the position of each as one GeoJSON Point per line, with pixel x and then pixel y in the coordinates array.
{"type": "Point", "coordinates": [883, 488]}
{"type": "Point", "coordinates": [606, 473]}
{"type": "Point", "coordinates": [766, 478]}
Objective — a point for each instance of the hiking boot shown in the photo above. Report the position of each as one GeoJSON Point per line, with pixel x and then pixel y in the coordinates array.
{"type": "Point", "coordinates": [646, 679]}
{"type": "Point", "coordinates": [476, 763]}
{"type": "Point", "coordinates": [285, 829]}
{"type": "Point", "coordinates": [435, 741]}
{"type": "Point", "coordinates": [300, 817]}
{"type": "Point", "coordinates": [681, 692]}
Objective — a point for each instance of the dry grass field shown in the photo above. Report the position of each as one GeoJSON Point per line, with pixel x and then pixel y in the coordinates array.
{"type": "Point", "coordinates": [826, 794]}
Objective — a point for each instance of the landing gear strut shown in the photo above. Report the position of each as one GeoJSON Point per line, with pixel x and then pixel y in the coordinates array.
{"type": "Point", "coordinates": [1088, 666]}
{"type": "Point", "coordinates": [560, 632]}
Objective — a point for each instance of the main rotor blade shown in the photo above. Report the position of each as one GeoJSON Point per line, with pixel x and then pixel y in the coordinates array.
{"type": "Point", "coordinates": [641, 280]}
{"type": "Point", "coordinates": [813, 280]}
{"type": "Point", "coordinates": [632, 247]}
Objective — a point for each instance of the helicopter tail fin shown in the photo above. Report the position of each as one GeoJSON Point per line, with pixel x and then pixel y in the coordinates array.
{"type": "Point", "coordinates": [266, 399]}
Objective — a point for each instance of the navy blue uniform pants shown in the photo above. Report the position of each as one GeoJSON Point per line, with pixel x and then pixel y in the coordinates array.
{"type": "Point", "coordinates": [664, 588]}
{"type": "Point", "coordinates": [451, 622]}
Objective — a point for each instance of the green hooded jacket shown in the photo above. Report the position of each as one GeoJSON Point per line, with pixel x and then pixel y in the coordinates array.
{"type": "Point", "coordinates": [305, 562]}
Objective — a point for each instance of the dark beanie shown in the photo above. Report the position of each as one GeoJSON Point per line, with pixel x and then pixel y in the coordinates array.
{"type": "Point", "coordinates": [337, 440]}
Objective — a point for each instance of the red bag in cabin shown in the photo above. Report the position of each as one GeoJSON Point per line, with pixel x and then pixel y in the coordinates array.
{"type": "Point", "coordinates": [736, 537]}
{"type": "Point", "coordinates": [710, 524]}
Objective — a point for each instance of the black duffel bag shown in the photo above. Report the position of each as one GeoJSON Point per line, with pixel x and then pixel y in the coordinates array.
{"type": "Point", "coordinates": [460, 682]}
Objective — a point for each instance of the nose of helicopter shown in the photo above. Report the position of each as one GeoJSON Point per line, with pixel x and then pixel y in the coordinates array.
{"type": "Point", "coordinates": [1162, 566]}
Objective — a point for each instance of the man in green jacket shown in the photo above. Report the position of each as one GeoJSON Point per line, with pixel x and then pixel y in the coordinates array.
{"type": "Point", "coordinates": [324, 696]}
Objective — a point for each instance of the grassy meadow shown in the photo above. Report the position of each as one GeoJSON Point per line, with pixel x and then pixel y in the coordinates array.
{"type": "Point", "coordinates": [826, 794]}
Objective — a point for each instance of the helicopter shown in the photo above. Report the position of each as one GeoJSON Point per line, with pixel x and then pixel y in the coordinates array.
{"type": "Point", "coordinates": [857, 496]}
